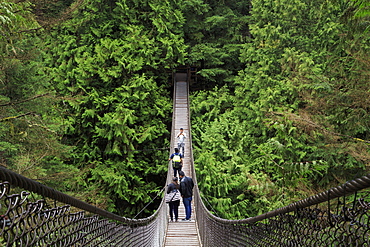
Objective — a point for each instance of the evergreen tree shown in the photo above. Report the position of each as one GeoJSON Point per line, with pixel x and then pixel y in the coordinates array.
{"type": "Point", "coordinates": [28, 126]}
{"type": "Point", "coordinates": [214, 32]}
{"type": "Point", "coordinates": [284, 126]}
{"type": "Point", "coordinates": [110, 63]}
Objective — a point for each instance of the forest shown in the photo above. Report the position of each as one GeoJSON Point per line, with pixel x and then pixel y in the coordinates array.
{"type": "Point", "coordinates": [280, 107]}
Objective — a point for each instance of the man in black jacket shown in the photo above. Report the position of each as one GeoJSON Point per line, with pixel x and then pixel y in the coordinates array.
{"type": "Point", "coordinates": [186, 190]}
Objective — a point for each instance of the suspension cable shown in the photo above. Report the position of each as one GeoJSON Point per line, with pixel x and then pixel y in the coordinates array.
{"type": "Point", "coordinates": [150, 202]}
{"type": "Point", "coordinates": [204, 197]}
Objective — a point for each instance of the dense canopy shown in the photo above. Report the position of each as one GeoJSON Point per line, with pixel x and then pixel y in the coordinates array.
{"type": "Point", "coordinates": [280, 103]}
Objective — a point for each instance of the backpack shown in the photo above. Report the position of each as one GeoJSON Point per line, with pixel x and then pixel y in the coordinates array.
{"type": "Point", "coordinates": [176, 160]}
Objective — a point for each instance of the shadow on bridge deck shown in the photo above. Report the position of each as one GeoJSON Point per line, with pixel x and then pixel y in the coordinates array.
{"type": "Point", "coordinates": [181, 77]}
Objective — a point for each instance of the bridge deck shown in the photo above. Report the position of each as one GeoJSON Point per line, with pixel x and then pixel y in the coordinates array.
{"type": "Point", "coordinates": [182, 233]}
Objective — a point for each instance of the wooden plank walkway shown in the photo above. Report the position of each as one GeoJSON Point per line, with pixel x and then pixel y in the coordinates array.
{"type": "Point", "coordinates": [182, 233]}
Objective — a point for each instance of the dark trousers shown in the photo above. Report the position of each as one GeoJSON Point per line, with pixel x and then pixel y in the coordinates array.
{"type": "Point", "coordinates": [174, 209]}
{"type": "Point", "coordinates": [176, 170]}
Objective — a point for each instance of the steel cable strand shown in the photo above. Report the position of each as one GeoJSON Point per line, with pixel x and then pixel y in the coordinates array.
{"type": "Point", "coordinates": [260, 234]}
{"type": "Point", "coordinates": [28, 184]}
{"type": "Point", "coordinates": [63, 228]}
{"type": "Point", "coordinates": [286, 233]}
{"type": "Point", "coordinates": [356, 226]}
{"type": "Point", "coordinates": [49, 216]}
{"type": "Point", "coordinates": [250, 234]}
{"type": "Point", "coordinates": [213, 210]}
{"type": "Point", "coordinates": [120, 235]}
{"type": "Point", "coordinates": [341, 222]}
{"type": "Point", "coordinates": [81, 228]}
{"type": "Point", "coordinates": [366, 234]}
{"type": "Point", "coordinates": [100, 232]}
{"type": "Point", "coordinates": [15, 213]}
{"type": "Point", "coordinates": [360, 183]}
{"type": "Point", "coordinates": [62, 211]}
{"type": "Point", "coordinates": [5, 188]}
{"type": "Point", "coordinates": [72, 226]}
{"type": "Point", "coordinates": [150, 202]}
{"type": "Point", "coordinates": [249, 237]}
{"type": "Point", "coordinates": [92, 229]}
{"type": "Point", "coordinates": [103, 233]}
{"type": "Point", "coordinates": [306, 226]}
{"type": "Point", "coordinates": [220, 237]}
{"type": "Point", "coordinates": [32, 219]}
{"type": "Point", "coordinates": [284, 224]}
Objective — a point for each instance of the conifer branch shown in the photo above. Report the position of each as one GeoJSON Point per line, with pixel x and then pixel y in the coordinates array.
{"type": "Point", "coordinates": [22, 101]}
{"type": "Point", "coordinates": [19, 116]}
{"type": "Point", "coordinates": [313, 124]}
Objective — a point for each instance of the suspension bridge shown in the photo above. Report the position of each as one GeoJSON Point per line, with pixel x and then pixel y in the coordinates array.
{"type": "Point", "coordinates": [336, 217]}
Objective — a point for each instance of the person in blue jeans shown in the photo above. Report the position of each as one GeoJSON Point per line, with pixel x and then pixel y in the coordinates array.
{"type": "Point", "coordinates": [186, 190]}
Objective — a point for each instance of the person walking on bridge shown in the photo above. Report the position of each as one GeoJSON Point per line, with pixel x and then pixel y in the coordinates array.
{"type": "Point", "coordinates": [181, 141]}
{"type": "Point", "coordinates": [176, 158]}
{"type": "Point", "coordinates": [174, 205]}
{"type": "Point", "coordinates": [186, 190]}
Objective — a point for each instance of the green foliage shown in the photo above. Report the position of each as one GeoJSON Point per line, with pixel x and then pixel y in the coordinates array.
{"type": "Point", "coordinates": [289, 126]}
{"type": "Point", "coordinates": [363, 8]}
{"type": "Point", "coordinates": [288, 114]}
{"type": "Point", "coordinates": [112, 59]}
{"type": "Point", "coordinates": [214, 34]}
{"type": "Point", "coordinates": [29, 127]}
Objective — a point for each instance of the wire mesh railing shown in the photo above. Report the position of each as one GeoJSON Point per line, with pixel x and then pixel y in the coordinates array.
{"type": "Point", "coordinates": [337, 217]}
{"type": "Point", "coordinates": [331, 218]}
{"type": "Point", "coordinates": [27, 222]}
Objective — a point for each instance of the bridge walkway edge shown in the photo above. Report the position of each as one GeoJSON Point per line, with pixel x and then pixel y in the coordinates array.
{"type": "Point", "coordinates": [182, 233]}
